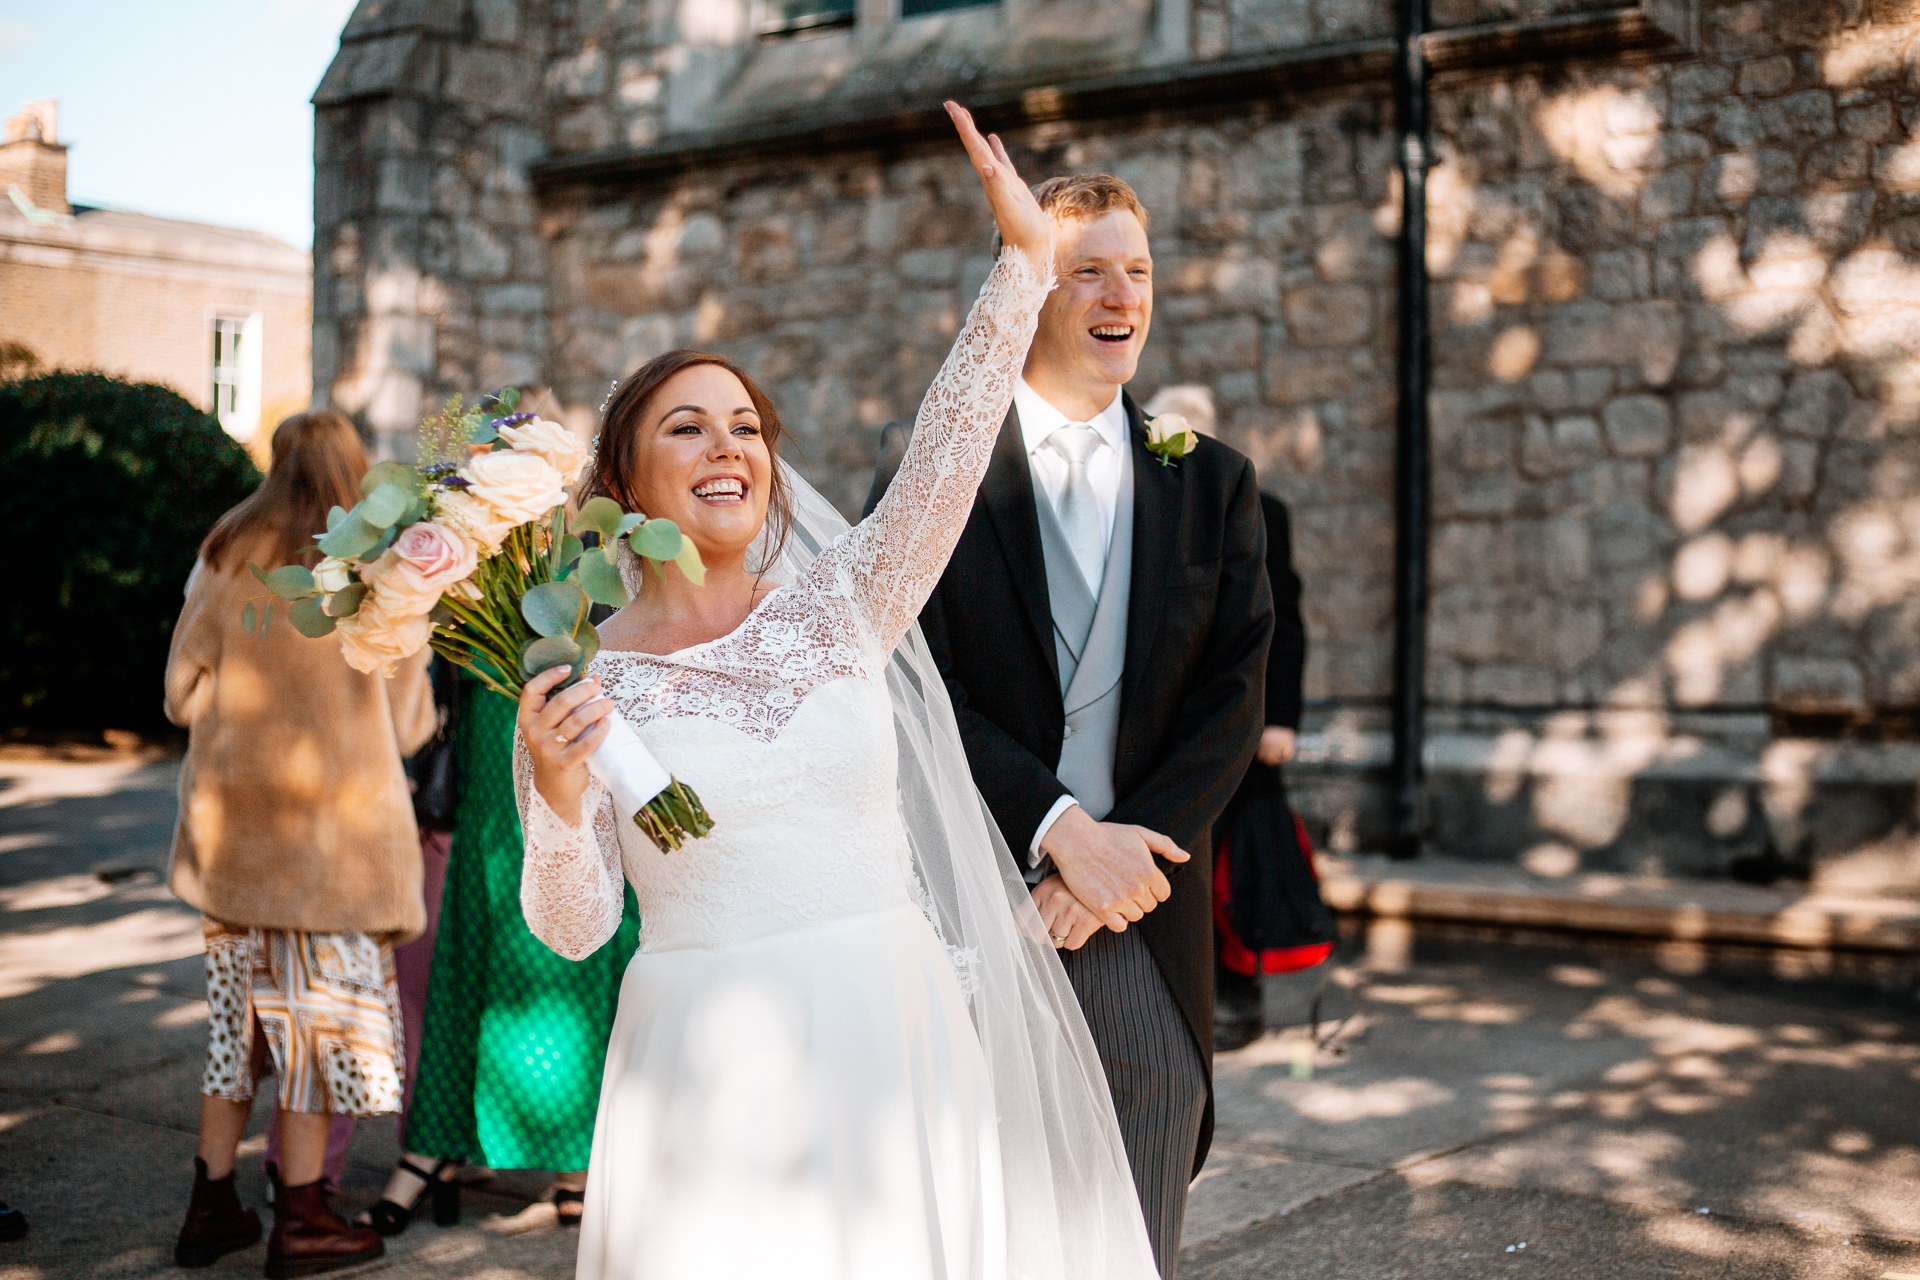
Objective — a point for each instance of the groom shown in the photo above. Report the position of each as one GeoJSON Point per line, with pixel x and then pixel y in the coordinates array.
{"type": "Point", "coordinates": [1103, 630]}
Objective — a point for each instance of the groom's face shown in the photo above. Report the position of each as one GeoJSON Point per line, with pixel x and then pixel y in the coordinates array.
{"type": "Point", "coordinates": [1094, 324]}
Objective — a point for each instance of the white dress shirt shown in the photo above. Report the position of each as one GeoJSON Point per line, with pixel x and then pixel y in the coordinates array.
{"type": "Point", "coordinates": [1038, 420]}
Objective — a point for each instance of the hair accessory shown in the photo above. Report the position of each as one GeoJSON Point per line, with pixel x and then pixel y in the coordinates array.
{"type": "Point", "coordinates": [611, 388]}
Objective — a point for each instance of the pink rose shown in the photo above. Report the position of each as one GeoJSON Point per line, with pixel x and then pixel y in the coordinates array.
{"type": "Point", "coordinates": [375, 642]}
{"type": "Point", "coordinates": [423, 562]}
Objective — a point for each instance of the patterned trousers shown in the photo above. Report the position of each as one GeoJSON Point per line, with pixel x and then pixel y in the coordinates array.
{"type": "Point", "coordinates": [328, 1006]}
{"type": "Point", "coordinates": [1153, 1068]}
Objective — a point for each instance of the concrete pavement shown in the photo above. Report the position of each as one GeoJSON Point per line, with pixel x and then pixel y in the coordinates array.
{"type": "Point", "coordinates": [1466, 1099]}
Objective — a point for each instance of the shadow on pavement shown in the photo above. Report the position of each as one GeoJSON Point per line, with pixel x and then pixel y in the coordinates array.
{"type": "Point", "coordinates": [1485, 1089]}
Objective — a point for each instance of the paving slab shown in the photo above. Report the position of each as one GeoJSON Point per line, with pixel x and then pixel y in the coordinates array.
{"type": "Point", "coordinates": [1390, 1229]}
{"type": "Point", "coordinates": [1456, 1097]}
{"type": "Point", "coordinates": [1426, 1063]}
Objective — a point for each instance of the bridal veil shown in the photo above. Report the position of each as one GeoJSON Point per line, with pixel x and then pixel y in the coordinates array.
{"type": "Point", "coordinates": [1071, 1208]}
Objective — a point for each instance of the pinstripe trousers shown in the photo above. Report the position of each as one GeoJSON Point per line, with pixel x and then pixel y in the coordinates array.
{"type": "Point", "coordinates": [1154, 1071]}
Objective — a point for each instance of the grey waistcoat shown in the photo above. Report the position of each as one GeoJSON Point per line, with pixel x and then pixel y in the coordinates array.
{"type": "Point", "coordinates": [1090, 640]}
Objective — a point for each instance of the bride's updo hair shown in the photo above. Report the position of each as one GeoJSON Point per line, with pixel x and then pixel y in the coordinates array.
{"type": "Point", "coordinates": [616, 458]}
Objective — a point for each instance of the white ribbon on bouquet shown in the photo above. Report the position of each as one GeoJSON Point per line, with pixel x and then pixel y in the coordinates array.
{"type": "Point", "coordinates": [627, 769]}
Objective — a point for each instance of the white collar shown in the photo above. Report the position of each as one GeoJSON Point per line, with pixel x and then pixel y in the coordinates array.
{"type": "Point", "coordinates": [1039, 419]}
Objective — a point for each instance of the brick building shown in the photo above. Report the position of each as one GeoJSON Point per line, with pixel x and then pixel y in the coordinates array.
{"type": "Point", "coordinates": [1675, 247]}
{"type": "Point", "coordinates": [222, 316]}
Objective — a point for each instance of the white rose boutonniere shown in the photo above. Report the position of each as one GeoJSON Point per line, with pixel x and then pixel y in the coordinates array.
{"type": "Point", "coordinates": [1170, 439]}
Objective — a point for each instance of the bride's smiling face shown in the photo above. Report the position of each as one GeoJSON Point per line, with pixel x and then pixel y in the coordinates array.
{"type": "Point", "coordinates": [703, 462]}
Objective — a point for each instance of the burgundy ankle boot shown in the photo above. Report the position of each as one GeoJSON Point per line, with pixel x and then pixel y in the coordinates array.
{"type": "Point", "coordinates": [309, 1237]}
{"type": "Point", "coordinates": [217, 1223]}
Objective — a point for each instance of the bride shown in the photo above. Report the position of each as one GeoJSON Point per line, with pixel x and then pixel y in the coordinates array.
{"type": "Point", "coordinates": [846, 1048]}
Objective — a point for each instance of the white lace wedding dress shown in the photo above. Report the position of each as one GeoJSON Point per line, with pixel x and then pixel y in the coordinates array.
{"type": "Point", "coordinates": [794, 1085]}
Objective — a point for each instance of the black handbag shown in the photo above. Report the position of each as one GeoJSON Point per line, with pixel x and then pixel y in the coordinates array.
{"type": "Point", "coordinates": [434, 770]}
{"type": "Point", "coordinates": [1266, 892]}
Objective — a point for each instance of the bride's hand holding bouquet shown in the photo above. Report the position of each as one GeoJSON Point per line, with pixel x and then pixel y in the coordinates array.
{"type": "Point", "coordinates": [471, 552]}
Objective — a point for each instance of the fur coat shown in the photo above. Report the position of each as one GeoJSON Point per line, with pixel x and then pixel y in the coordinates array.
{"type": "Point", "coordinates": [295, 812]}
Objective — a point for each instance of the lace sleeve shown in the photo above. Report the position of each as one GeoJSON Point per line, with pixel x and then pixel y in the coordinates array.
{"type": "Point", "coordinates": [890, 561]}
{"type": "Point", "coordinates": [571, 884]}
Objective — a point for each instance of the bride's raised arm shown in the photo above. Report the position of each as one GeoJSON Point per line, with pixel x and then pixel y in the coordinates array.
{"type": "Point", "coordinates": [891, 561]}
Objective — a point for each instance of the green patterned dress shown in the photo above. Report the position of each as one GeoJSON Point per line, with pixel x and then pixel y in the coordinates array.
{"type": "Point", "coordinates": [515, 1036]}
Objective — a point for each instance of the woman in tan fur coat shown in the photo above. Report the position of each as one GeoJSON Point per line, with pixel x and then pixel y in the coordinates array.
{"type": "Point", "coordinates": [296, 841]}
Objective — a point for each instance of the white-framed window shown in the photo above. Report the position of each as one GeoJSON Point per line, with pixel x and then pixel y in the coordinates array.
{"type": "Point", "coordinates": [919, 8]}
{"type": "Point", "coordinates": [796, 17]}
{"type": "Point", "coordinates": [234, 342]}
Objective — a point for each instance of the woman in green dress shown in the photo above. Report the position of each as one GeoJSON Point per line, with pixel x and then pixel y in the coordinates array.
{"type": "Point", "coordinates": [515, 1036]}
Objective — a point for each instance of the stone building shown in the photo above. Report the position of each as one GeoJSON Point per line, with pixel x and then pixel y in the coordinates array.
{"type": "Point", "coordinates": [220, 315]}
{"type": "Point", "coordinates": [1675, 244]}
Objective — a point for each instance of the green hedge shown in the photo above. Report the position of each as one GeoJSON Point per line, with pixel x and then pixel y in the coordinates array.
{"type": "Point", "coordinates": [110, 486]}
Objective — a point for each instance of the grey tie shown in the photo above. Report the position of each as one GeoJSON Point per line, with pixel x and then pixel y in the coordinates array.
{"type": "Point", "coordinates": [1079, 511]}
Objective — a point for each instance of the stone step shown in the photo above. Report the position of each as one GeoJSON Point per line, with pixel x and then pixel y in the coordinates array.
{"type": "Point", "coordinates": [1450, 891]}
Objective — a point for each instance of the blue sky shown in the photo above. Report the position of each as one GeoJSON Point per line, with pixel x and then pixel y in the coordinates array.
{"type": "Point", "coordinates": [182, 110]}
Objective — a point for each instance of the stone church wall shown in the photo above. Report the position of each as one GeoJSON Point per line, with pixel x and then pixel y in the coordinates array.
{"type": "Point", "coordinates": [1676, 418]}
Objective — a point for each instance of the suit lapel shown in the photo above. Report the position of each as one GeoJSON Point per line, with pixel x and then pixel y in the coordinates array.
{"type": "Point", "coordinates": [1007, 494]}
{"type": "Point", "coordinates": [1156, 510]}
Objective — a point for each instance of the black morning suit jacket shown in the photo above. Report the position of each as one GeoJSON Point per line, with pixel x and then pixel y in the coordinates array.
{"type": "Point", "coordinates": [1192, 693]}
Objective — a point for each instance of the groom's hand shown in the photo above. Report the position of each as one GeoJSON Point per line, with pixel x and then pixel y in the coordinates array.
{"type": "Point", "coordinates": [1109, 866]}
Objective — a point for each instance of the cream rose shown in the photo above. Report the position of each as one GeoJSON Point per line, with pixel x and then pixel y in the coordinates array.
{"type": "Point", "coordinates": [560, 447]}
{"type": "Point", "coordinates": [1170, 438]}
{"type": "Point", "coordinates": [376, 643]}
{"type": "Point", "coordinates": [473, 519]}
{"type": "Point", "coordinates": [422, 564]}
{"type": "Point", "coordinates": [520, 486]}
{"type": "Point", "coordinates": [332, 575]}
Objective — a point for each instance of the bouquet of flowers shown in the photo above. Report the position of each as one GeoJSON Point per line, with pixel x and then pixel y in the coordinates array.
{"type": "Point", "coordinates": [475, 557]}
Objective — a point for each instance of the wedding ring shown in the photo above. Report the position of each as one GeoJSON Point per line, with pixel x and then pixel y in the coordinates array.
{"type": "Point", "coordinates": [560, 738]}
{"type": "Point", "coordinates": [1058, 937]}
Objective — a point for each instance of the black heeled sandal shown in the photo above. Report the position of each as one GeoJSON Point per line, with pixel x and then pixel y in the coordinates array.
{"type": "Point", "coordinates": [390, 1219]}
{"type": "Point", "coordinates": [570, 1195]}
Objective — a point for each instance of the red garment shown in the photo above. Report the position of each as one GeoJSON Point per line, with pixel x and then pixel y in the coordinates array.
{"type": "Point", "coordinates": [1234, 954]}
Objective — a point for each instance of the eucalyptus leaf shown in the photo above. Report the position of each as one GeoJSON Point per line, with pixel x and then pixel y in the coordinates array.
{"type": "Point", "coordinates": [416, 511]}
{"type": "Point", "coordinates": [311, 620]}
{"type": "Point", "coordinates": [398, 474]}
{"type": "Point", "coordinates": [385, 505]}
{"type": "Point", "coordinates": [570, 549]}
{"type": "Point", "coordinates": [256, 571]}
{"type": "Point", "coordinates": [588, 638]}
{"type": "Point", "coordinates": [349, 539]}
{"type": "Point", "coordinates": [291, 582]}
{"type": "Point", "coordinates": [602, 515]}
{"type": "Point", "coordinates": [628, 523]}
{"type": "Point", "coordinates": [381, 543]}
{"type": "Point", "coordinates": [335, 514]}
{"type": "Point", "coordinates": [249, 617]}
{"type": "Point", "coordinates": [599, 578]}
{"type": "Point", "coordinates": [266, 617]}
{"type": "Point", "coordinates": [509, 399]}
{"type": "Point", "coordinates": [480, 429]}
{"type": "Point", "coordinates": [656, 540]}
{"type": "Point", "coordinates": [345, 602]}
{"type": "Point", "coordinates": [690, 563]}
{"type": "Point", "coordinates": [554, 608]}
{"type": "Point", "coordinates": [549, 651]}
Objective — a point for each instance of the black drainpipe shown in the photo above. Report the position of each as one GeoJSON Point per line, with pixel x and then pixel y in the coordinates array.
{"type": "Point", "coordinates": [1411, 481]}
